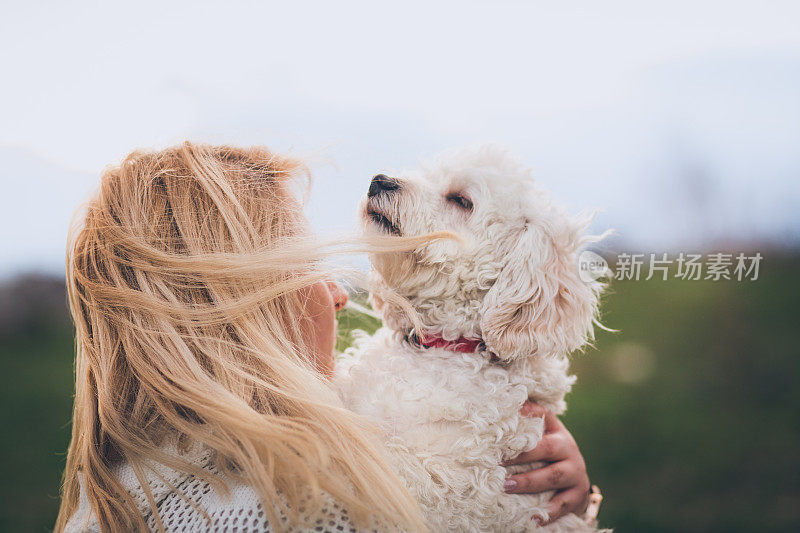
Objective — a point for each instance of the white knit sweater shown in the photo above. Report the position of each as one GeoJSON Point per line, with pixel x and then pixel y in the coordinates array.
{"type": "Point", "coordinates": [242, 511]}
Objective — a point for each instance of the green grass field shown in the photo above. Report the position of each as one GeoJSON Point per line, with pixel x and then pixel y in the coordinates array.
{"type": "Point", "coordinates": [688, 416]}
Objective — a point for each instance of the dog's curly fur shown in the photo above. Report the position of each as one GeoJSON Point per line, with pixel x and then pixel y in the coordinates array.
{"type": "Point", "coordinates": [450, 418]}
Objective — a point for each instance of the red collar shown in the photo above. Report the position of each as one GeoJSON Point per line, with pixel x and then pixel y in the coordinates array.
{"type": "Point", "coordinates": [461, 344]}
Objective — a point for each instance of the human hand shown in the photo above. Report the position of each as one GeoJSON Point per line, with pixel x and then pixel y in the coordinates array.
{"type": "Point", "coordinates": [565, 474]}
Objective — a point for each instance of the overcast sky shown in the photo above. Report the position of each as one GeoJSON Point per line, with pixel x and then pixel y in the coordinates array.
{"type": "Point", "coordinates": [681, 122]}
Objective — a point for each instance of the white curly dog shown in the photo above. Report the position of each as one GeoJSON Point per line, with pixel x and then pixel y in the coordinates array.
{"type": "Point", "coordinates": [500, 313]}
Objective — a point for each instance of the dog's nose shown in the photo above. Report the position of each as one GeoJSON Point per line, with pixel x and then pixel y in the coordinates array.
{"type": "Point", "coordinates": [381, 183]}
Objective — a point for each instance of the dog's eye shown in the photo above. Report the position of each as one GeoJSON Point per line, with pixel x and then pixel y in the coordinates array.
{"type": "Point", "coordinates": [460, 200]}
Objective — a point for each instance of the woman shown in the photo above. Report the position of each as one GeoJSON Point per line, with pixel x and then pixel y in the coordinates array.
{"type": "Point", "coordinates": [205, 333]}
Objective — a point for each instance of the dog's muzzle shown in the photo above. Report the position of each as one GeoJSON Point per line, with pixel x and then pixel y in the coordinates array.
{"type": "Point", "coordinates": [382, 183]}
{"type": "Point", "coordinates": [381, 186]}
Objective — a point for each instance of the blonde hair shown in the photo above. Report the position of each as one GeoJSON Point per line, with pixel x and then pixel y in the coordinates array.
{"type": "Point", "coordinates": [185, 284]}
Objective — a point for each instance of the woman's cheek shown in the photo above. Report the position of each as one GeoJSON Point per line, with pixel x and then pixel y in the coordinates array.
{"type": "Point", "coordinates": [321, 329]}
{"type": "Point", "coordinates": [324, 353]}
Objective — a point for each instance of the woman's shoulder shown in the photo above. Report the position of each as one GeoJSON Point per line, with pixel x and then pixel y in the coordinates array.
{"type": "Point", "coordinates": [193, 504]}
{"type": "Point", "coordinates": [185, 502]}
{"type": "Point", "coordinates": [239, 510]}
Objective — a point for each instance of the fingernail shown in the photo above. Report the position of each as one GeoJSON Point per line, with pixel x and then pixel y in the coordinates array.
{"type": "Point", "coordinates": [510, 484]}
{"type": "Point", "coordinates": [539, 521]}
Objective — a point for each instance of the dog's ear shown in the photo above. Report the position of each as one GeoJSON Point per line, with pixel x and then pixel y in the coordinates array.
{"type": "Point", "coordinates": [538, 303]}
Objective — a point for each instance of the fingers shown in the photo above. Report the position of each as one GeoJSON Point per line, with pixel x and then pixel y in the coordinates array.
{"type": "Point", "coordinates": [561, 475]}
{"type": "Point", "coordinates": [567, 473]}
{"type": "Point", "coordinates": [553, 447]}
{"type": "Point", "coordinates": [533, 410]}
{"type": "Point", "coordinates": [557, 443]}
{"type": "Point", "coordinates": [572, 500]}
